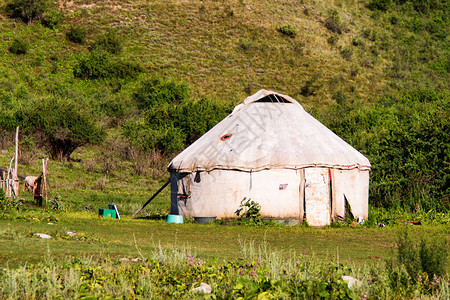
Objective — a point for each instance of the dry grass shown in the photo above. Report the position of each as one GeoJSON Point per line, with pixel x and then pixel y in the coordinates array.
{"type": "Point", "coordinates": [199, 42]}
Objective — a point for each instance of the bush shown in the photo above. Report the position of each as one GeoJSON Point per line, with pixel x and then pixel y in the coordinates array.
{"type": "Point", "coordinates": [124, 69]}
{"type": "Point", "coordinates": [96, 64]}
{"type": "Point", "coordinates": [407, 141]}
{"type": "Point", "coordinates": [51, 18]}
{"type": "Point", "coordinates": [109, 42]}
{"type": "Point", "coordinates": [332, 23]}
{"type": "Point", "coordinates": [62, 125]}
{"type": "Point", "coordinates": [288, 30]}
{"type": "Point", "coordinates": [76, 34]}
{"type": "Point", "coordinates": [18, 47]}
{"type": "Point", "coordinates": [168, 128]}
{"type": "Point", "coordinates": [156, 91]}
{"type": "Point", "coordinates": [382, 5]}
{"type": "Point", "coordinates": [99, 64]}
{"type": "Point", "coordinates": [27, 10]}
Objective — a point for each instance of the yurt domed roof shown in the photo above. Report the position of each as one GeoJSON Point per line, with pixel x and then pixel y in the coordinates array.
{"type": "Point", "coordinates": [268, 131]}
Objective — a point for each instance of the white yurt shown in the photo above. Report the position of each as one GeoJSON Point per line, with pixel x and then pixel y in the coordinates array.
{"type": "Point", "coordinates": [270, 150]}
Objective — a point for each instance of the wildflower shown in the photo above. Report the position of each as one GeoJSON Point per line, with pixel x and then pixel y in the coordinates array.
{"type": "Point", "coordinates": [258, 259]}
{"type": "Point", "coordinates": [420, 278]}
{"type": "Point", "coordinates": [187, 283]}
{"type": "Point", "coordinates": [433, 283]}
{"type": "Point", "coordinates": [298, 262]}
{"type": "Point", "coordinates": [304, 252]}
{"type": "Point", "coordinates": [248, 264]}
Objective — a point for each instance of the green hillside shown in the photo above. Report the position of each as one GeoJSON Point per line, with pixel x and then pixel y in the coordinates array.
{"type": "Point", "coordinates": [111, 90]}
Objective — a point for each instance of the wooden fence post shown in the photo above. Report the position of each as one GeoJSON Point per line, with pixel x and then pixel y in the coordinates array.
{"type": "Point", "coordinates": [44, 175]}
{"type": "Point", "coordinates": [15, 178]}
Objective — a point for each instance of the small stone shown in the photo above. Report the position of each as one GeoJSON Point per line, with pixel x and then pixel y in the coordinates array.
{"type": "Point", "coordinates": [43, 235]}
{"type": "Point", "coordinates": [71, 233]}
{"type": "Point", "coordinates": [351, 281]}
{"type": "Point", "coordinates": [203, 288]}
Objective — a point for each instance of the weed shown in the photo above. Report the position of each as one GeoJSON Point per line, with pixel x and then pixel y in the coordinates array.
{"type": "Point", "coordinates": [415, 264]}
{"type": "Point", "coordinates": [249, 211]}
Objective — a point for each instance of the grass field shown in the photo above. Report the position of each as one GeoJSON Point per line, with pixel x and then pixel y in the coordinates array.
{"type": "Point", "coordinates": [145, 258]}
{"type": "Point", "coordinates": [119, 238]}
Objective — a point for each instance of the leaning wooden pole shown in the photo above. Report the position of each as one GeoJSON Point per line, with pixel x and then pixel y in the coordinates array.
{"type": "Point", "coordinates": [151, 198]}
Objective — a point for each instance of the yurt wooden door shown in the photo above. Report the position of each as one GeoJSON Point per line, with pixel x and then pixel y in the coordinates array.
{"type": "Point", "coordinates": [317, 196]}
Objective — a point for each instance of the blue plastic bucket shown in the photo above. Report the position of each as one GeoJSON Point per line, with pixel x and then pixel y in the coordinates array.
{"type": "Point", "coordinates": [175, 219]}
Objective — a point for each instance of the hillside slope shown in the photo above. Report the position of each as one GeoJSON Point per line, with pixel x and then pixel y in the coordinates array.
{"type": "Point", "coordinates": [351, 63]}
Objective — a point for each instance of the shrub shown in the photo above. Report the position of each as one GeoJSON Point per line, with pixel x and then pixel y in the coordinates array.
{"type": "Point", "coordinates": [62, 125]}
{"type": "Point", "coordinates": [382, 5]}
{"type": "Point", "coordinates": [246, 44]}
{"type": "Point", "coordinates": [288, 30]}
{"type": "Point", "coordinates": [27, 10]}
{"type": "Point", "coordinates": [96, 64]}
{"type": "Point", "coordinates": [109, 42]}
{"type": "Point", "coordinates": [195, 118]}
{"type": "Point", "coordinates": [124, 69]}
{"type": "Point", "coordinates": [99, 64]}
{"type": "Point", "coordinates": [18, 47]}
{"type": "Point", "coordinates": [156, 91]}
{"type": "Point", "coordinates": [332, 23]}
{"type": "Point", "coordinates": [76, 34]}
{"type": "Point", "coordinates": [310, 87]}
{"type": "Point", "coordinates": [299, 47]}
{"type": "Point", "coordinates": [51, 18]}
{"type": "Point", "coordinates": [346, 54]}
{"type": "Point", "coordinates": [407, 140]}
{"type": "Point", "coordinates": [168, 128]}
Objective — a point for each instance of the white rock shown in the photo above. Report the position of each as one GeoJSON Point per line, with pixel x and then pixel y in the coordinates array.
{"type": "Point", "coordinates": [43, 235]}
{"type": "Point", "coordinates": [203, 288]}
{"type": "Point", "coordinates": [50, 224]}
{"type": "Point", "coordinates": [351, 281]}
{"type": "Point", "coordinates": [71, 233]}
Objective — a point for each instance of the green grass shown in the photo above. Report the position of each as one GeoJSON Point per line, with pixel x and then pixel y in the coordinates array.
{"type": "Point", "coordinates": [119, 238]}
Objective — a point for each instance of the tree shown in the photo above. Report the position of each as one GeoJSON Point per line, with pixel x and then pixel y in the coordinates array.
{"type": "Point", "coordinates": [27, 10]}
{"type": "Point", "coordinates": [62, 125]}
